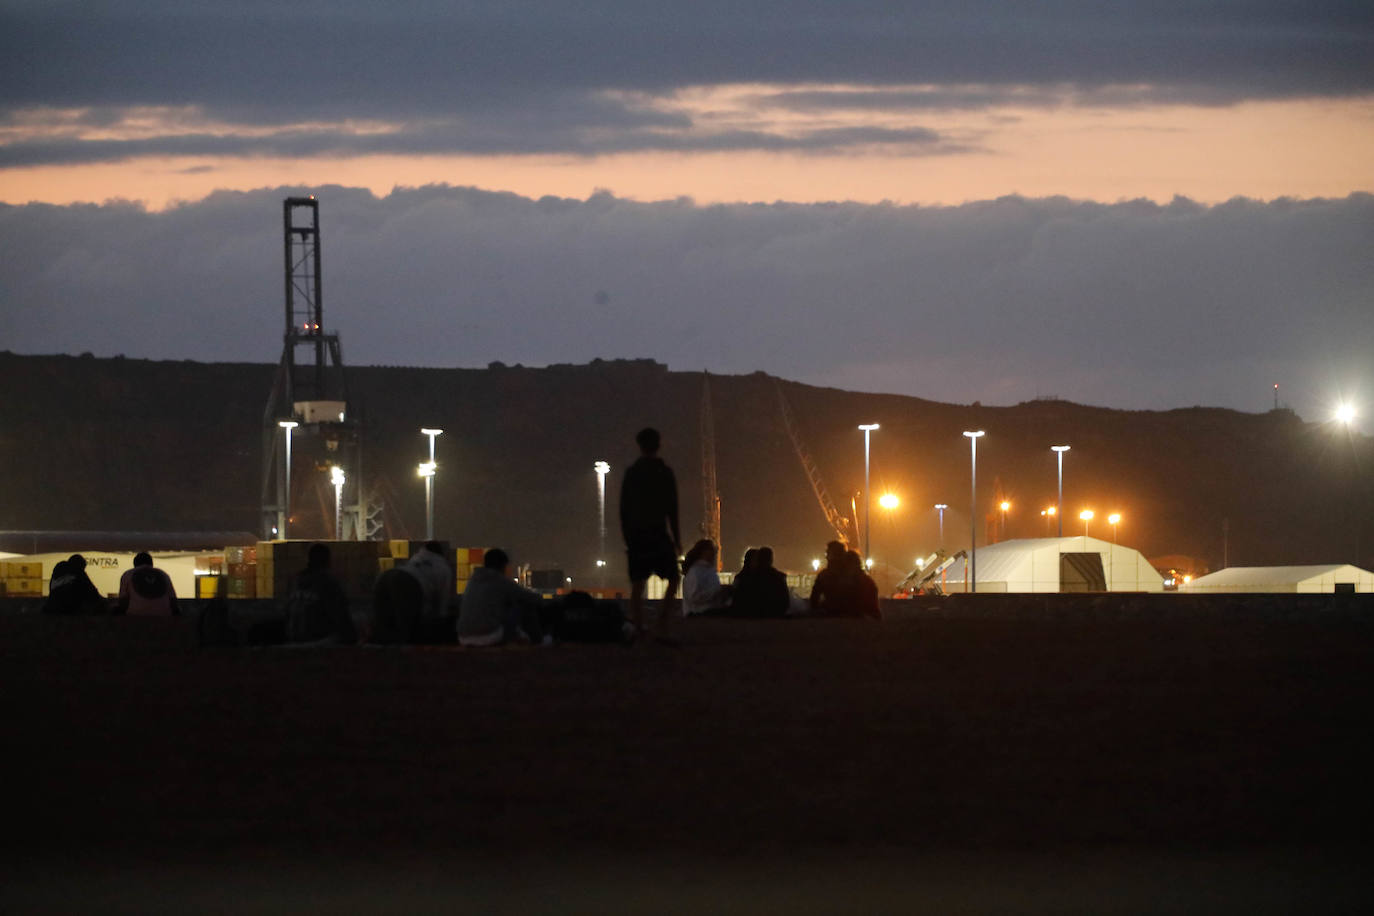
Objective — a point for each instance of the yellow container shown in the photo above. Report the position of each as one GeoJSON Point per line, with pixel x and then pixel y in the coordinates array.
{"type": "Point", "coordinates": [16, 569]}
{"type": "Point", "coordinates": [400, 549]}
{"type": "Point", "coordinates": [207, 586]}
{"type": "Point", "coordinates": [385, 563]}
{"type": "Point", "coordinates": [30, 587]}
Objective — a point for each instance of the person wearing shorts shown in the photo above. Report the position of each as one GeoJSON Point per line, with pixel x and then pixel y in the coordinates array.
{"type": "Point", "coordinates": [649, 523]}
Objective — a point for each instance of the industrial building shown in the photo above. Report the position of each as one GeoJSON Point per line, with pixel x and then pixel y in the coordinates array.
{"type": "Point", "coordinates": [1068, 564]}
{"type": "Point", "coordinates": [1284, 580]}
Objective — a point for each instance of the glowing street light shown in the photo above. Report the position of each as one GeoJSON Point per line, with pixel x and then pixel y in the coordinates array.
{"type": "Point", "coordinates": [1114, 519]}
{"type": "Point", "coordinates": [336, 477]}
{"type": "Point", "coordinates": [602, 468]}
{"type": "Point", "coordinates": [973, 437]}
{"type": "Point", "coordinates": [1087, 516]}
{"type": "Point", "coordinates": [1004, 505]}
{"type": "Point", "coordinates": [285, 522]}
{"type": "Point", "coordinates": [1059, 451]}
{"type": "Point", "coordinates": [429, 481]}
{"type": "Point", "coordinates": [1049, 513]}
{"type": "Point", "coordinates": [815, 565]}
{"type": "Point", "coordinates": [868, 496]}
{"type": "Point", "coordinates": [941, 507]}
{"type": "Point", "coordinates": [889, 501]}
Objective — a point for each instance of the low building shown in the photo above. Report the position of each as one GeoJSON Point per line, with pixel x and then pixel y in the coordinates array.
{"type": "Point", "coordinates": [1278, 580]}
{"type": "Point", "coordinates": [1068, 564]}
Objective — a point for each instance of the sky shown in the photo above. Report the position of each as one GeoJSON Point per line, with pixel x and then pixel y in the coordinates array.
{"type": "Point", "coordinates": [1137, 205]}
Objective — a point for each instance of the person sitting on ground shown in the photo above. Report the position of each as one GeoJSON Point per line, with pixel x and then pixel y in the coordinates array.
{"type": "Point", "coordinates": [146, 590]}
{"type": "Point", "coordinates": [865, 589]}
{"type": "Point", "coordinates": [835, 592]}
{"type": "Point", "coordinates": [761, 589]}
{"type": "Point", "coordinates": [317, 609]}
{"type": "Point", "coordinates": [410, 603]}
{"type": "Point", "coordinates": [702, 592]}
{"type": "Point", "coordinates": [71, 591]}
{"type": "Point", "coordinates": [496, 610]}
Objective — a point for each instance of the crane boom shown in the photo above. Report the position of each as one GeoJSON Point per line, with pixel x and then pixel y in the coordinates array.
{"type": "Point", "coordinates": [845, 529]}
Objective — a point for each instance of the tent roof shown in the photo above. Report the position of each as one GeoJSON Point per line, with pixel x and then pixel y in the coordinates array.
{"type": "Point", "coordinates": [1275, 575]}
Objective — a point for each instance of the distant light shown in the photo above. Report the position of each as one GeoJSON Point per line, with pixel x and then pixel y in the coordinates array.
{"type": "Point", "coordinates": [1187, 579]}
{"type": "Point", "coordinates": [1060, 448]}
{"type": "Point", "coordinates": [336, 476]}
{"type": "Point", "coordinates": [426, 469]}
{"type": "Point", "coordinates": [287, 424]}
{"type": "Point", "coordinates": [601, 467]}
{"type": "Point", "coordinates": [1004, 506]}
{"type": "Point", "coordinates": [889, 501]}
{"type": "Point", "coordinates": [430, 431]}
{"type": "Point", "coordinates": [600, 562]}
{"type": "Point", "coordinates": [1345, 413]}
{"type": "Point", "coordinates": [1086, 515]}
{"type": "Point", "coordinates": [1050, 511]}
{"type": "Point", "coordinates": [974, 434]}
{"type": "Point", "coordinates": [1114, 518]}
{"type": "Point", "coordinates": [869, 562]}
{"type": "Point", "coordinates": [867, 426]}
{"type": "Point", "coordinates": [816, 565]}
{"type": "Point", "coordinates": [941, 506]}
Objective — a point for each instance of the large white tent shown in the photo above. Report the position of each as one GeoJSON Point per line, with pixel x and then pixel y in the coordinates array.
{"type": "Point", "coordinates": [1326, 579]}
{"type": "Point", "coordinates": [1069, 564]}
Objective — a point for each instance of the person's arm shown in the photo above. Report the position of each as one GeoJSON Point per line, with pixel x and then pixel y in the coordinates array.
{"type": "Point", "coordinates": [172, 597]}
{"type": "Point", "coordinates": [672, 511]}
{"type": "Point", "coordinates": [122, 605]}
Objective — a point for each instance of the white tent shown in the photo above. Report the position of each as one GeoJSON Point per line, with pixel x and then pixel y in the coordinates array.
{"type": "Point", "coordinates": [1069, 564]}
{"type": "Point", "coordinates": [1284, 580]}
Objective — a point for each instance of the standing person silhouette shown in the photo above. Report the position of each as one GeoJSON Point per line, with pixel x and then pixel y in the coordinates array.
{"type": "Point", "coordinates": [648, 521]}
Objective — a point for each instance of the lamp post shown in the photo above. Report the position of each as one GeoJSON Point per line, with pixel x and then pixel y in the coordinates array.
{"type": "Point", "coordinates": [973, 437]}
{"type": "Point", "coordinates": [602, 468]}
{"type": "Point", "coordinates": [1048, 513]}
{"type": "Point", "coordinates": [941, 507]}
{"type": "Point", "coordinates": [1059, 451]}
{"type": "Point", "coordinates": [1087, 516]}
{"type": "Point", "coordinates": [429, 481]}
{"type": "Point", "coordinates": [283, 527]}
{"type": "Point", "coordinates": [1114, 519]}
{"type": "Point", "coordinates": [1004, 505]}
{"type": "Point", "coordinates": [868, 496]}
{"type": "Point", "coordinates": [336, 477]}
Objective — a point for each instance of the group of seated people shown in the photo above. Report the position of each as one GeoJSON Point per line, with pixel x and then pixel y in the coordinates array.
{"type": "Point", "coordinates": [144, 590]}
{"type": "Point", "coordinates": [841, 589]}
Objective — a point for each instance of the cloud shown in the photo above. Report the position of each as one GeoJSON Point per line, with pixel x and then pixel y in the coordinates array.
{"type": "Point", "coordinates": [540, 76]}
{"type": "Point", "coordinates": [1130, 305]}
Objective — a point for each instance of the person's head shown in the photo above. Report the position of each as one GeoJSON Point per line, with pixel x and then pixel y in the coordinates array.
{"type": "Point", "coordinates": [853, 562]}
{"type": "Point", "coordinates": [143, 558]}
{"type": "Point", "coordinates": [318, 557]}
{"type": "Point", "coordinates": [76, 563]}
{"type": "Point", "coordinates": [496, 559]}
{"type": "Point", "coordinates": [435, 547]}
{"type": "Point", "coordinates": [750, 559]}
{"type": "Point", "coordinates": [834, 552]}
{"type": "Point", "coordinates": [648, 440]}
{"type": "Point", "coordinates": [703, 551]}
{"type": "Point", "coordinates": [764, 557]}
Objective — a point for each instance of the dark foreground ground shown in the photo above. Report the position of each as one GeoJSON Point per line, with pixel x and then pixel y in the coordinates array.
{"type": "Point", "coordinates": [937, 764]}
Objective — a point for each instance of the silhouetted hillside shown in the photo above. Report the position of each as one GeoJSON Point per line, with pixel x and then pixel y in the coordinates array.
{"type": "Point", "coordinates": [90, 443]}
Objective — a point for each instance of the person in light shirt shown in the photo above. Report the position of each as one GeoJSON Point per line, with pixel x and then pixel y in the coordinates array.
{"type": "Point", "coordinates": [147, 591]}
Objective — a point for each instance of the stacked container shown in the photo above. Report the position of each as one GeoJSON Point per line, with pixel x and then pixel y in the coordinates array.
{"type": "Point", "coordinates": [21, 579]}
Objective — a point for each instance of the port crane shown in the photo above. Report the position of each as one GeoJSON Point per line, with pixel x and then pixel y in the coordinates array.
{"type": "Point", "coordinates": [846, 531]}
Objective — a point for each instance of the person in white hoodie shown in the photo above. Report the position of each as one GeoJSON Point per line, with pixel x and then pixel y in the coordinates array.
{"type": "Point", "coordinates": [702, 592]}
{"type": "Point", "coordinates": [410, 604]}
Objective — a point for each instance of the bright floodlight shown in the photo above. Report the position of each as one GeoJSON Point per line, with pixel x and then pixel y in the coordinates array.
{"type": "Point", "coordinates": [430, 431]}
{"type": "Point", "coordinates": [1086, 515]}
{"type": "Point", "coordinates": [1050, 511]}
{"type": "Point", "coordinates": [426, 469]}
{"type": "Point", "coordinates": [867, 426]}
{"type": "Point", "coordinates": [816, 564]}
{"type": "Point", "coordinates": [601, 467]}
{"type": "Point", "coordinates": [287, 424]}
{"type": "Point", "coordinates": [889, 501]}
{"type": "Point", "coordinates": [1060, 448]}
{"type": "Point", "coordinates": [1345, 413]}
{"type": "Point", "coordinates": [1004, 505]}
{"type": "Point", "coordinates": [941, 506]}
{"type": "Point", "coordinates": [336, 476]}
{"type": "Point", "coordinates": [1114, 518]}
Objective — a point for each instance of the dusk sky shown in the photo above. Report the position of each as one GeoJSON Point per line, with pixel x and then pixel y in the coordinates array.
{"type": "Point", "coordinates": [1138, 205]}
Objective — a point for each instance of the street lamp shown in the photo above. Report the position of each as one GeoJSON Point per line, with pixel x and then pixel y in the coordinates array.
{"type": "Point", "coordinates": [868, 497]}
{"type": "Point", "coordinates": [287, 425]}
{"type": "Point", "coordinates": [973, 437]}
{"type": "Point", "coordinates": [1048, 513]}
{"type": "Point", "coordinates": [336, 477]}
{"type": "Point", "coordinates": [889, 501]}
{"type": "Point", "coordinates": [1087, 516]}
{"type": "Point", "coordinates": [602, 469]}
{"type": "Point", "coordinates": [941, 507]}
{"type": "Point", "coordinates": [1059, 451]}
{"type": "Point", "coordinates": [429, 481]}
{"type": "Point", "coordinates": [1114, 519]}
{"type": "Point", "coordinates": [1004, 505]}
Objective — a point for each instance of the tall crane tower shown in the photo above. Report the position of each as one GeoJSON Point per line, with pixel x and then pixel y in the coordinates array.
{"type": "Point", "coordinates": [710, 495]}
{"type": "Point", "coordinates": [309, 399]}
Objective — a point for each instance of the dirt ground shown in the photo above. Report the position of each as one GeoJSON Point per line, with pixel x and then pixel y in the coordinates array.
{"type": "Point", "coordinates": [930, 764]}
